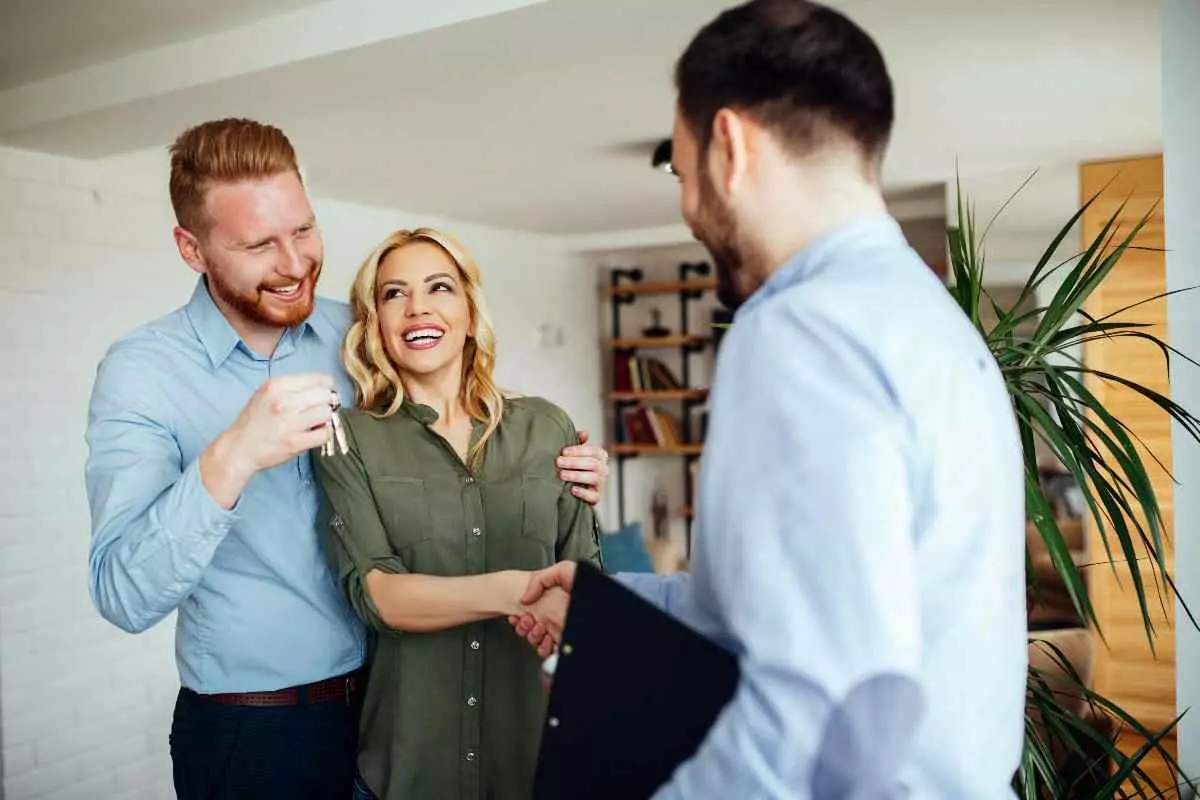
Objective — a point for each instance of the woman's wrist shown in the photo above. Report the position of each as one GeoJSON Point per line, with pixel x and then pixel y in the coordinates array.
{"type": "Point", "coordinates": [508, 586]}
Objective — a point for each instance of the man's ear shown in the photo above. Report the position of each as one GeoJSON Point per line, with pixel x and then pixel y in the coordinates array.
{"type": "Point", "coordinates": [189, 249]}
{"type": "Point", "coordinates": [728, 151]}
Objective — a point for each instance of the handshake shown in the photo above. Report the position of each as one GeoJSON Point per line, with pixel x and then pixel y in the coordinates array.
{"type": "Point", "coordinates": [545, 607]}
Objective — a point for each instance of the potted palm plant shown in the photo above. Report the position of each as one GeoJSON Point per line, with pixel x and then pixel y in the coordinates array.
{"type": "Point", "coordinates": [1036, 345]}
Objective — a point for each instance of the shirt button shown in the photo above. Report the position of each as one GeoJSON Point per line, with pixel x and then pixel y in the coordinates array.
{"type": "Point", "coordinates": [476, 532]}
{"type": "Point", "coordinates": [470, 755]}
{"type": "Point", "coordinates": [471, 701]}
{"type": "Point", "coordinates": [475, 645]}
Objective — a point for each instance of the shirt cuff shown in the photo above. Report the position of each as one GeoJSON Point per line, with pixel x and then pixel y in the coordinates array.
{"type": "Point", "coordinates": [195, 499]}
{"type": "Point", "coordinates": [645, 585]}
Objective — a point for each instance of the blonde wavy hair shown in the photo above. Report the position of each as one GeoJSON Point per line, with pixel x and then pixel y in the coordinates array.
{"type": "Point", "coordinates": [377, 386]}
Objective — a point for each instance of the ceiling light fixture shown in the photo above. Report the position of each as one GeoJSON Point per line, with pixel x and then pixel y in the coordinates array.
{"type": "Point", "coordinates": [661, 160]}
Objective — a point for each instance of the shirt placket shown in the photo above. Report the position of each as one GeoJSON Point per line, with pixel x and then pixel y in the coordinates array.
{"type": "Point", "coordinates": [473, 658]}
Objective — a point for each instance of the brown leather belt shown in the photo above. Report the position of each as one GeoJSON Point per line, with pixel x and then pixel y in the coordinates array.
{"type": "Point", "coordinates": [343, 687]}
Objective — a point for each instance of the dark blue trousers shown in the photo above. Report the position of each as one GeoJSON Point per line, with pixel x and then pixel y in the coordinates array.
{"type": "Point", "coordinates": [301, 752]}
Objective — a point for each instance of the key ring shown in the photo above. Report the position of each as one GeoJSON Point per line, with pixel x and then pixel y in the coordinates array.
{"type": "Point", "coordinates": [335, 437]}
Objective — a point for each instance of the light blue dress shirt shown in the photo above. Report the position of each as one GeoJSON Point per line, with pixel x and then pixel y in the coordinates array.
{"type": "Point", "coordinates": [860, 539]}
{"type": "Point", "coordinates": [258, 609]}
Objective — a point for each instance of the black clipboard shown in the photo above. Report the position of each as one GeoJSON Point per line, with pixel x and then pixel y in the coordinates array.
{"type": "Point", "coordinates": [634, 694]}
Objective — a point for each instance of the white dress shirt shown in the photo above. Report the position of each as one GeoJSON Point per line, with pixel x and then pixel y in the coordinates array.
{"type": "Point", "coordinates": [859, 541]}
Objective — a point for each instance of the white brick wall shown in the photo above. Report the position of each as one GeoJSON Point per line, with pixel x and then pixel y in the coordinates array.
{"type": "Point", "coordinates": [85, 254]}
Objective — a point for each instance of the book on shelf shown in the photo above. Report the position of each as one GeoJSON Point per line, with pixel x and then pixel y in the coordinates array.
{"type": "Point", "coordinates": [622, 375]}
{"type": "Point", "coordinates": [637, 426]}
{"type": "Point", "coordinates": [652, 425]}
{"type": "Point", "coordinates": [643, 374]}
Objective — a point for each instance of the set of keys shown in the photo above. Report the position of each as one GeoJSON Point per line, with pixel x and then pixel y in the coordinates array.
{"type": "Point", "coordinates": [335, 432]}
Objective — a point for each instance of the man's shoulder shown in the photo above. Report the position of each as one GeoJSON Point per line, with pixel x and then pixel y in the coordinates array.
{"type": "Point", "coordinates": [144, 365]}
{"type": "Point", "coordinates": [898, 331]}
{"type": "Point", "coordinates": [163, 337]}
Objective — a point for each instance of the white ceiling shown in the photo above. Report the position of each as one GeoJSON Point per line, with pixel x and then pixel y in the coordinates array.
{"type": "Point", "coordinates": [43, 38]}
{"type": "Point", "coordinates": [536, 115]}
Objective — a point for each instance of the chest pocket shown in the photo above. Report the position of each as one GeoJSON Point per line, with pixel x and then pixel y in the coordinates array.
{"type": "Point", "coordinates": [404, 510]}
{"type": "Point", "coordinates": [539, 498]}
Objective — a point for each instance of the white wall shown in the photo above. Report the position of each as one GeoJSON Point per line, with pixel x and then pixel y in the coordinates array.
{"type": "Point", "coordinates": [86, 254]}
{"type": "Point", "coordinates": [1181, 172]}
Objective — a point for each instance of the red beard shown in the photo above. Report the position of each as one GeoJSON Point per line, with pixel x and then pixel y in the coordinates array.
{"type": "Point", "coordinates": [261, 307]}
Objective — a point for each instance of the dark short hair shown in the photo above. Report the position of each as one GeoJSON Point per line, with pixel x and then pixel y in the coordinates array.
{"type": "Point", "coordinates": [802, 70]}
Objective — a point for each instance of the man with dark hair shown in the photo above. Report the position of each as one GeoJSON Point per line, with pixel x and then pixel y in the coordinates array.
{"type": "Point", "coordinates": [860, 529]}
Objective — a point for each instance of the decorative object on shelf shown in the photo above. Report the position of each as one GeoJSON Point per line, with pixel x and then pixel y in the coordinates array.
{"type": "Point", "coordinates": [1062, 492]}
{"type": "Point", "coordinates": [658, 513]}
{"type": "Point", "coordinates": [656, 329]}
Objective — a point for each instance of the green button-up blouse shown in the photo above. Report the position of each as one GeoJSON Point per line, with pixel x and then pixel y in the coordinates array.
{"type": "Point", "coordinates": [454, 713]}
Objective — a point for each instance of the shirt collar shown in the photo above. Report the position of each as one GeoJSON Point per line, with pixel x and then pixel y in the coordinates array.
{"type": "Point", "coordinates": [220, 339]}
{"type": "Point", "coordinates": [321, 325]}
{"type": "Point", "coordinates": [860, 233]}
{"type": "Point", "coordinates": [422, 413]}
{"type": "Point", "coordinates": [427, 415]}
{"type": "Point", "coordinates": [214, 331]}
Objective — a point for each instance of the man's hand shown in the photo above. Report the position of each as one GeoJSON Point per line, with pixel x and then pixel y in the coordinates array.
{"type": "Point", "coordinates": [550, 611]}
{"type": "Point", "coordinates": [286, 416]}
{"type": "Point", "coordinates": [561, 575]}
{"type": "Point", "coordinates": [541, 633]}
{"type": "Point", "coordinates": [585, 465]}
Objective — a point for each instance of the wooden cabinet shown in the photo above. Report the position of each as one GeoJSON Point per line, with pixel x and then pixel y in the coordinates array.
{"type": "Point", "coordinates": [1126, 669]}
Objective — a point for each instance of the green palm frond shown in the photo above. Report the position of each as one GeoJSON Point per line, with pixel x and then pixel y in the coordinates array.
{"type": "Point", "coordinates": [1048, 384]}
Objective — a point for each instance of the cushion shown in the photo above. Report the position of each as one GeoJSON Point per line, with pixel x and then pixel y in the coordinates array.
{"type": "Point", "coordinates": [625, 550]}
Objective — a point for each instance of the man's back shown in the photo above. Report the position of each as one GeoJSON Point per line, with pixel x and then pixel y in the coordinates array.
{"type": "Point", "coordinates": [861, 516]}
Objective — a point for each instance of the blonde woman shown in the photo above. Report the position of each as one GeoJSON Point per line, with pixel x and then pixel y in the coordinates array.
{"type": "Point", "coordinates": [446, 502]}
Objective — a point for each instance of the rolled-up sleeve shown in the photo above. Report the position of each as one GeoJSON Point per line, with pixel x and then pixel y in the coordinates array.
{"type": "Point", "coordinates": [155, 527]}
{"type": "Point", "coordinates": [354, 537]}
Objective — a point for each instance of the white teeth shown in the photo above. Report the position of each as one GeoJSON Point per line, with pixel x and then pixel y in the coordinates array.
{"type": "Point", "coordinates": [285, 289]}
{"type": "Point", "coordinates": [424, 334]}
